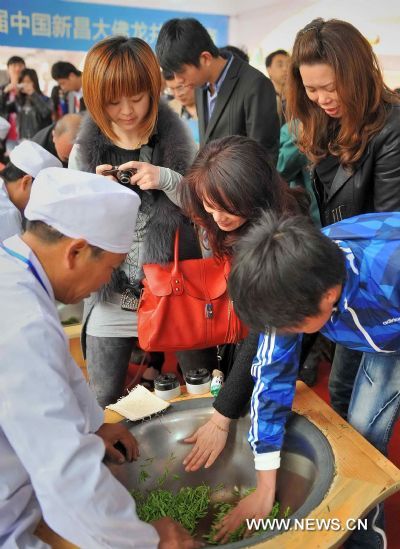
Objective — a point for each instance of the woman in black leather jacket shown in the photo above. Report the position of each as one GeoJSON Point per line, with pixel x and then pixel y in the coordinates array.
{"type": "Point", "coordinates": [350, 130]}
{"type": "Point", "coordinates": [32, 106]}
{"type": "Point", "coordinates": [350, 120]}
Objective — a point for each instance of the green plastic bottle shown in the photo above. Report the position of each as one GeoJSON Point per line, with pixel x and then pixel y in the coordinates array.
{"type": "Point", "coordinates": [216, 382]}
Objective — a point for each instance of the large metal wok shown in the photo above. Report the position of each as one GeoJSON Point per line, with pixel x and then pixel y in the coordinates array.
{"type": "Point", "coordinates": [306, 473]}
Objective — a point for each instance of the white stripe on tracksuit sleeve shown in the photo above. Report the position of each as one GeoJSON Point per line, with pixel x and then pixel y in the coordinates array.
{"type": "Point", "coordinates": [274, 370]}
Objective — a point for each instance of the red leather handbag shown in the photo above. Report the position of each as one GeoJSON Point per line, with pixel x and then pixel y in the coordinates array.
{"type": "Point", "coordinates": [185, 305]}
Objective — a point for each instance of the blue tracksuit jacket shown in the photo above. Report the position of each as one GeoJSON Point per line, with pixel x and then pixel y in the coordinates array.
{"type": "Point", "coordinates": [367, 318]}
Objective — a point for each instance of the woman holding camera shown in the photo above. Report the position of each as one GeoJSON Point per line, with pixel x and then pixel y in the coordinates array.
{"type": "Point", "coordinates": [127, 126]}
{"type": "Point", "coordinates": [32, 106]}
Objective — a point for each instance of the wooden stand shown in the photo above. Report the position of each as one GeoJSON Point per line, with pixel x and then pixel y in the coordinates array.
{"type": "Point", "coordinates": [364, 477]}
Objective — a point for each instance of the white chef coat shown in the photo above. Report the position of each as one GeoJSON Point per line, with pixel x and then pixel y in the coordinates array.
{"type": "Point", "coordinates": [10, 216]}
{"type": "Point", "coordinates": [50, 460]}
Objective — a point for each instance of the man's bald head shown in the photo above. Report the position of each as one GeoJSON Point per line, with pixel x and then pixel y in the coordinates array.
{"type": "Point", "coordinates": [64, 135]}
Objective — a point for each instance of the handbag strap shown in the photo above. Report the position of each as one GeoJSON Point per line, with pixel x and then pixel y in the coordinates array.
{"type": "Point", "coordinates": [176, 276]}
{"type": "Point", "coordinates": [176, 253]}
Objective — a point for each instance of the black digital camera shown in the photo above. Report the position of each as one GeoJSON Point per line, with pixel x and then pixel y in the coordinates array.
{"type": "Point", "coordinates": [123, 176]}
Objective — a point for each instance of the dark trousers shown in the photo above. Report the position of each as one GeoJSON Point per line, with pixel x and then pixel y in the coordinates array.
{"type": "Point", "coordinates": [108, 360]}
{"type": "Point", "coordinates": [200, 358]}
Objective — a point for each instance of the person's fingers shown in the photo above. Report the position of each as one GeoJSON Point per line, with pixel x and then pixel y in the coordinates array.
{"type": "Point", "coordinates": [200, 459]}
{"type": "Point", "coordinates": [189, 461]}
{"type": "Point", "coordinates": [135, 164]}
{"type": "Point", "coordinates": [130, 449]}
{"type": "Point", "coordinates": [147, 177]}
{"type": "Point", "coordinates": [191, 454]}
{"type": "Point", "coordinates": [191, 439]}
{"type": "Point", "coordinates": [102, 167]}
{"type": "Point", "coordinates": [137, 177]}
{"type": "Point", "coordinates": [144, 184]}
{"type": "Point", "coordinates": [221, 532]}
{"type": "Point", "coordinates": [114, 455]}
{"type": "Point", "coordinates": [135, 449]}
{"type": "Point", "coordinates": [228, 524]}
{"type": "Point", "coordinates": [129, 443]}
{"type": "Point", "coordinates": [212, 457]}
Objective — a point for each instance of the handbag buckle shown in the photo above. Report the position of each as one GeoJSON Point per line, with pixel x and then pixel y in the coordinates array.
{"type": "Point", "coordinates": [209, 310]}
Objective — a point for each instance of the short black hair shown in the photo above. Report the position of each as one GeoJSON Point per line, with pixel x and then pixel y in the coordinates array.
{"type": "Point", "coordinates": [237, 52]}
{"type": "Point", "coordinates": [11, 173]}
{"type": "Point", "coordinates": [168, 75]}
{"type": "Point", "coordinates": [180, 42]}
{"type": "Point", "coordinates": [282, 268]}
{"type": "Point", "coordinates": [49, 235]}
{"type": "Point", "coordinates": [62, 69]}
{"type": "Point", "coordinates": [270, 57]}
{"type": "Point", "coordinates": [15, 60]}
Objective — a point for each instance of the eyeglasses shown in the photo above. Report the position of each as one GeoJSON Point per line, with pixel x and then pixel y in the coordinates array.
{"type": "Point", "coordinates": [177, 89]}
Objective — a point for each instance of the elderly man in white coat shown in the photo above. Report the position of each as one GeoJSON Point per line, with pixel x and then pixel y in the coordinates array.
{"type": "Point", "coordinates": [52, 436]}
{"type": "Point", "coordinates": [26, 161]}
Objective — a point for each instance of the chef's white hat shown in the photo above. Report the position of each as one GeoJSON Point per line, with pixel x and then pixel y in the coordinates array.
{"type": "Point", "coordinates": [4, 127]}
{"type": "Point", "coordinates": [30, 157]}
{"type": "Point", "coordinates": [85, 205]}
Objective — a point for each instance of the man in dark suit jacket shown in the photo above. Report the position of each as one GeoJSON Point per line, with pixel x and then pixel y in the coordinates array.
{"type": "Point", "coordinates": [69, 78]}
{"type": "Point", "coordinates": [232, 98]}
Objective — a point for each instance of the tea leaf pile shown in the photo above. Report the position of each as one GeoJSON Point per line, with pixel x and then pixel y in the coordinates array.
{"type": "Point", "coordinates": [187, 505]}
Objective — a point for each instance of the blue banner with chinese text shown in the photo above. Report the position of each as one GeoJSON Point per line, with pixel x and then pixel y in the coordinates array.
{"type": "Point", "coordinates": [55, 24]}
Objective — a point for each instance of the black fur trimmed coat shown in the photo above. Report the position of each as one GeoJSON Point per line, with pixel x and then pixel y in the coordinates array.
{"type": "Point", "coordinates": [174, 149]}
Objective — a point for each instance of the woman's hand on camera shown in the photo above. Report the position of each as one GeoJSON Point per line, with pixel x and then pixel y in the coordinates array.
{"type": "Point", "coordinates": [102, 168]}
{"type": "Point", "coordinates": [146, 177]}
{"type": "Point", "coordinates": [209, 441]}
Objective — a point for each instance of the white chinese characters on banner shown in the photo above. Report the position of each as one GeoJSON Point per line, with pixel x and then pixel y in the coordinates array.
{"type": "Point", "coordinates": [120, 27]}
{"type": "Point", "coordinates": [41, 24]}
{"type": "Point", "coordinates": [82, 30]}
{"type": "Point", "coordinates": [61, 26]}
{"type": "Point", "coordinates": [101, 30]}
{"type": "Point", "coordinates": [20, 21]}
{"type": "Point", "coordinates": [4, 21]}
{"type": "Point", "coordinates": [69, 27]}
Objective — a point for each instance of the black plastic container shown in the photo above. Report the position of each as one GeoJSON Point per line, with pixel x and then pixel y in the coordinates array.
{"type": "Point", "coordinates": [166, 386]}
{"type": "Point", "coordinates": [198, 381]}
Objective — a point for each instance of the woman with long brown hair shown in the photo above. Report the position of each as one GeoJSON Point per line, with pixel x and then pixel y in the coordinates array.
{"type": "Point", "coordinates": [233, 178]}
{"type": "Point", "coordinates": [230, 184]}
{"type": "Point", "coordinates": [350, 120]}
{"type": "Point", "coordinates": [350, 130]}
{"type": "Point", "coordinates": [127, 126]}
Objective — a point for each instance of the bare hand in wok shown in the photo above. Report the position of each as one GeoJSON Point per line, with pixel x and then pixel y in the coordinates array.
{"type": "Point", "coordinates": [256, 505]}
{"type": "Point", "coordinates": [209, 441]}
